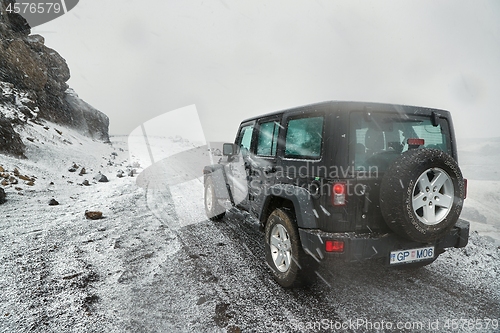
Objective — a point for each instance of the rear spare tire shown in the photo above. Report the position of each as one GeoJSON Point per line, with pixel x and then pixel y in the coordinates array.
{"type": "Point", "coordinates": [421, 194]}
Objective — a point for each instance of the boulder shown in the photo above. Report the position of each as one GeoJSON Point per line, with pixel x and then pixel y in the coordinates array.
{"type": "Point", "coordinates": [10, 141]}
{"type": "Point", "coordinates": [101, 178]}
{"type": "Point", "coordinates": [2, 195]}
{"type": "Point", "coordinates": [26, 178]}
{"type": "Point", "coordinates": [53, 202]}
{"type": "Point", "coordinates": [93, 215]}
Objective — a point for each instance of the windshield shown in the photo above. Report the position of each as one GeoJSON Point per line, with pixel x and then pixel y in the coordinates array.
{"type": "Point", "coordinates": [377, 139]}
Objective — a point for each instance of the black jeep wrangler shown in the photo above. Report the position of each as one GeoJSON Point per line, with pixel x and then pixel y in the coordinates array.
{"type": "Point", "coordinates": [345, 180]}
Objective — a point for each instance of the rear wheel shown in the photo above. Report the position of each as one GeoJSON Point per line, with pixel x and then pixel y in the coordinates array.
{"type": "Point", "coordinates": [290, 265]}
{"type": "Point", "coordinates": [213, 209]}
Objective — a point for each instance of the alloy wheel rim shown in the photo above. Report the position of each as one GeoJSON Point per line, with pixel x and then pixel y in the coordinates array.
{"type": "Point", "coordinates": [433, 196]}
{"type": "Point", "coordinates": [281, 248]}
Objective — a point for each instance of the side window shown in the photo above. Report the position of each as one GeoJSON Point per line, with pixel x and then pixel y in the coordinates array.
{"type": "Point", "coordinates": [268, 139]}
{"type": "Point", "coordinates": [246, 138]}
{"type": "Point", "coordinates": [304, 137]}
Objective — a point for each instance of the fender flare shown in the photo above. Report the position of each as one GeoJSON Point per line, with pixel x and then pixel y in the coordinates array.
{"type": "Point", "coordinates": [301, 200]}
{"type": "Point", "coordinates": [217, 173]}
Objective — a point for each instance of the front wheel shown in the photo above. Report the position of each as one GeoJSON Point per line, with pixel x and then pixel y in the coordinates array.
{"type": "Point", "coordinates": [213, 209]}
{"type": "Point", "coordinates": [290, 265]}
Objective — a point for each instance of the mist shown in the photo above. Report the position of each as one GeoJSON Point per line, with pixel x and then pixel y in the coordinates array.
{"type": "Point", "coordinates": [233, 60]}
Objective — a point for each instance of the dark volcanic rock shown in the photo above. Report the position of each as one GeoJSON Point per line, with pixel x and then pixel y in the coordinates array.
{"type": "Point", "coordinates": [10, 141]}
{"type": "Point", "coordinates": [21, 67]}
{"type": "Point", "coordinates": [53, 202]}
{"type": "Point", "coordinates": [2, 196]}
{"type": "Point", "coordinates": [101, 178]}
{"type": "Point", "coordinates": [33, 70]}
{"type": "Point", "coordinates": [11, 23]}
{"type": "Point", "coordinates": [87, 119]}
{"type": "Point", "coordinates": [93, 215]}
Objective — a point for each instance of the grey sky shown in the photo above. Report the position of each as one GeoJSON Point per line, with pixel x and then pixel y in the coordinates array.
{"type": "Point", "coordinates": [234, 59]}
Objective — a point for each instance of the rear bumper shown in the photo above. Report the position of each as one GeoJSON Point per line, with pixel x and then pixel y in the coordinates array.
{"type": "Point", "coordinates": [359, 247]}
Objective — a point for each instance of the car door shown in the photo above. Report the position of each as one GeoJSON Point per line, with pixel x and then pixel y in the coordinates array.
{"type": "Point", "coordinates": [237, 168]}
{"type": "Point", "coordinates": [262, 164]}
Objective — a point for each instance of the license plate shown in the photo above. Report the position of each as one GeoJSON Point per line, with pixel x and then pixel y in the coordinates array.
{"type": "Point", "coordinates": [411, 255]}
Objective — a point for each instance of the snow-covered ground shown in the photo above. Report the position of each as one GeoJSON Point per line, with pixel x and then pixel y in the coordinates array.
{"type": "Point", "coordinates": [154, 263]}
{"type": "Point", "coordinates": [480, 162]}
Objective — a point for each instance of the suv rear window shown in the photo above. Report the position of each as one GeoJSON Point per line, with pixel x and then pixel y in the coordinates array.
{"type": "Point", "coordinates": [377, 139]}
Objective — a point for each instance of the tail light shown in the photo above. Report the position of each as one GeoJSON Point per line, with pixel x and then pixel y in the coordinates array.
{"type": "Point", "coordinates": [338, 194]}
{"type": "Point", "coordinates": [334, 246]}
{"type": "Point", "coordinates": [415, 142]}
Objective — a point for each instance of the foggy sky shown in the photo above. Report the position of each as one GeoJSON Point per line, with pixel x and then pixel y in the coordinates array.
{"type": "Point", "coordinates": [235, 59]}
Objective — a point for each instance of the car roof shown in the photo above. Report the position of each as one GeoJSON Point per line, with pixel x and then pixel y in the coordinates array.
{"type": "Point", "coordinates": [347, 106]}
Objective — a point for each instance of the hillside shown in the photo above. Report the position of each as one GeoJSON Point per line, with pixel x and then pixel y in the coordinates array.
{"type": "Point", "coordinates": [33, 87]}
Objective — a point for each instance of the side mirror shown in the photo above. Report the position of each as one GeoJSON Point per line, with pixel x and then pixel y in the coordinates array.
{"type": "Point", "coordinates": [230, 149]}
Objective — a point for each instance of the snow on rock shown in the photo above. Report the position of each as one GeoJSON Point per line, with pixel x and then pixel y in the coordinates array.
{"type": "Point", "coordinates": [47, 276]}
{"type": "Point", "coordinates": [33, 86]}
{"type": "Point", "coordinates": [10, 141]}
{"type": "Point", "coordinates": [53, 202]}
{"type": "Point", "coordinates": [86, 118]}
{"type": "Point", "coordinates": [101, 178]}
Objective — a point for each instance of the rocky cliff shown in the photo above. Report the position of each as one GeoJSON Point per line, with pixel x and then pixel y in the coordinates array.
{"type": "Point", "coordinates": [33, 86]}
